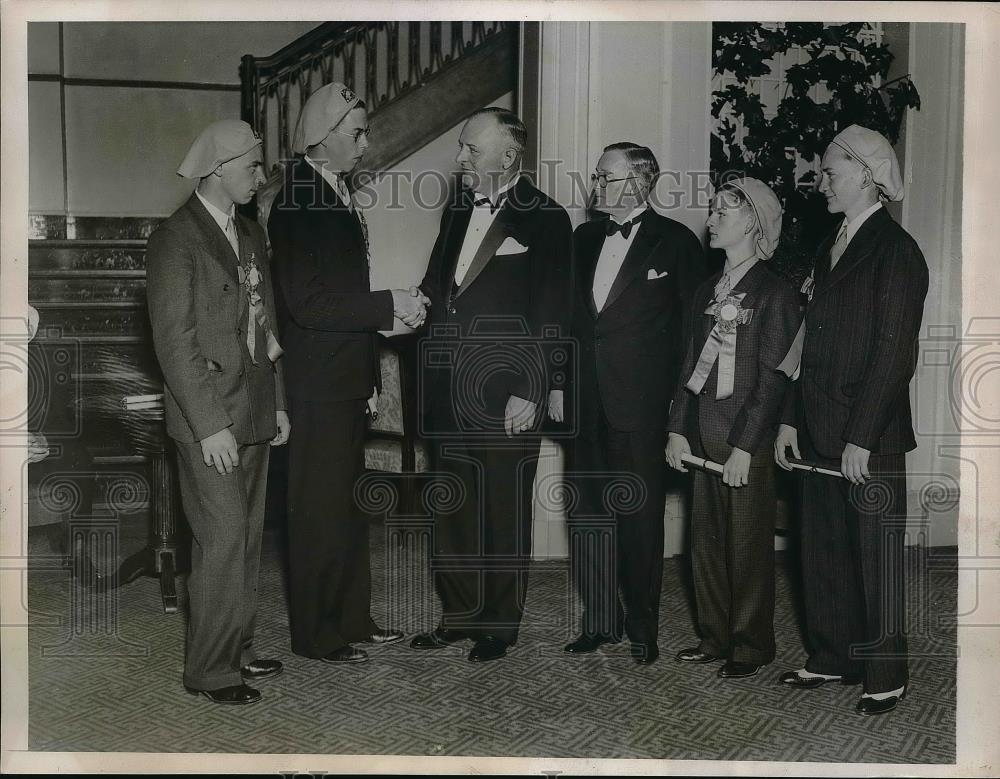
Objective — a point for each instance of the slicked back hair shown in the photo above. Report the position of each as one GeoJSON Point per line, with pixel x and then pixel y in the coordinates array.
{"type": "Point", "coordinates": [511, 125]}
{"type": "Point", "coordinates": [641, 162]}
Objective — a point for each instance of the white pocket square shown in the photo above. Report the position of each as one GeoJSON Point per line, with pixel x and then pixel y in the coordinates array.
{"type": "Point", "coordinates": [653, 275]}
{"type": "Point", "coordinates": [511, 246]}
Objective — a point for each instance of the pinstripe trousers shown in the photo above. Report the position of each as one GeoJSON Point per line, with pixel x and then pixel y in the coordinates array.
{"type": "Point", "coordinates": [852, 545]}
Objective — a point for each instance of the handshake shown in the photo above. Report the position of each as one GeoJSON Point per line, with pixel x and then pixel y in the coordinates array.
{"type": "Point", "coordinates": [410, 307]}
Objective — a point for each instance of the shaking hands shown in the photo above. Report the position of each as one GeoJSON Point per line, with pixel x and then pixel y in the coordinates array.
{"type": "Point", "coordinates": [410, 306]}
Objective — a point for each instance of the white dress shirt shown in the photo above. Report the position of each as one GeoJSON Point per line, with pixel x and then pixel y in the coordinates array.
{"type": "Point", "coordinates": [226, 222]}
{"type": "Point", "coordinates": [848, 229]}
{"type": "Point", "coordinates": [334, 180]}
{"type": "Point", "coordinates": [612, 256]}
{"type": "Point", "coordinates": [479, 223]}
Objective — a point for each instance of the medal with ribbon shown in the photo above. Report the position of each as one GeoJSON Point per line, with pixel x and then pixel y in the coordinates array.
{"type": "Point", "coordinates": [729, 315]}
{"type": "Point", "coordinates": [250, 280]}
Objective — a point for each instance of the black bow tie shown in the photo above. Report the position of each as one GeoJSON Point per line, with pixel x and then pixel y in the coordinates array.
{"type": "Point", "coordinates": [612, 227]}
{"type": "Point", "coordinates": [482, 200]}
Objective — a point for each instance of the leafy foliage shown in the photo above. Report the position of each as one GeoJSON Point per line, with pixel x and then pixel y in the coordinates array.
{"type": "Point", "coordinates": [839, 58]}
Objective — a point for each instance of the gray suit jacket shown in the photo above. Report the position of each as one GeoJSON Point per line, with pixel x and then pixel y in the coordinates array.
{"type": "Point", "coordinates": [199, 312]}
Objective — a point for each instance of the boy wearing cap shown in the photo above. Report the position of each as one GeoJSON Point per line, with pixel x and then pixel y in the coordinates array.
{"type": "Point", "coordinates": [212, 315]}
{"type": "Point", "coordinates": [329, 319]}
{"type": "Point", "coordinates": [742, 322]}
{"type": "Point", "coordinates": [850, 410]}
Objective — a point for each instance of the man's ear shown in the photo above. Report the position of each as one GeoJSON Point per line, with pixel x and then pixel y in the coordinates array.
{"type": "Point", "coordinates": [509, 158]}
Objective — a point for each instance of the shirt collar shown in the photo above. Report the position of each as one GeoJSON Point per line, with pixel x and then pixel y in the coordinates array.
{"type": "Point", "coordinates": [632, 214]}
{"type": "Point", "coordinates": [737, 276]}
{"type": "Point", "coordinates": [221, 217]}
{"type": "Point", "coordinates": [331, 178]}
{"type": "Point", "coordinates": [852, 226]}
{"type": "Point", "coordinates": [502, 191]}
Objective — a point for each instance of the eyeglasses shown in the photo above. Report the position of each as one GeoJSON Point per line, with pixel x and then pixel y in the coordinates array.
{"type": "Point", "coordinates": [356, 134]}
{"type": "Point", "coordinates": [602, 180]}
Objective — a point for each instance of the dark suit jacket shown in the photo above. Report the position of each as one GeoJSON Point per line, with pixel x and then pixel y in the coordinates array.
{"type": "Point", "coordinates": [326, 309]}
{"type": "Point", "coordinates": [629, 353]}
{"type": "Point", "coordinates": [749, 417]}
{"type": "Point", "coordinates": [860, 347]}
{"type": "Point", "coordinates": [198, 311]}
{"type": "Point", "coordinates": [518, 300]}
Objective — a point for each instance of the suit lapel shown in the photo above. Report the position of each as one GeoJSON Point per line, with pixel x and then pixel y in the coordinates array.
{"type": "Point", "coordinates": [212, 237]}
{"type": "Point", "coordinates": [589, 265]}
{"type": "Point", "coordinates": [857, 251]}
{"type": "Point", "coordinates": [646, 240]}
{"type": "Point", "coordinates": [495, 235]}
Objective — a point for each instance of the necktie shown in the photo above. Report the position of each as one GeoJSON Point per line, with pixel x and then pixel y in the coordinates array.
{"type": "Point", "coordinates": [612, 227]}
{"type": "Point", "coordinates": [723, 287]}
{"type": "Point", "coordinates": [837, 250]}
{"type": "Point", "coordinates": [231, 236]}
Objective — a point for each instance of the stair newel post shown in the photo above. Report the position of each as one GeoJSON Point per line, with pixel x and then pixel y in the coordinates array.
{"type": "Point", "coordinates": [248, 91]}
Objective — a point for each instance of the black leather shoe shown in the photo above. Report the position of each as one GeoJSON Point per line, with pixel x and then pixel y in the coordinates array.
{"type": "Point", "coordinates": [695, 655]}
{"type": "Point", "coordinates": [384, 637]}
{"type": "Point", "coordinates": [586, 644]}
{"type": "Point", "coordinates": [437, 638]}
{"type": "Point", "coordinates": [792, 679]}
{"type": "Point", "coordinates": [644, 654]}
{"type": "Point", "coordinates": [237, 695]}
{"type": "Point", "coordinates": [488, 648]}
{"type": "Point", "coordinates": [872, 706]}
{"type": "Point", "coordinates": [261, 669]}
{"type": "Point", "coordinates": [346, 654]}
{"type": "Point", "coordinates": [733, 669]}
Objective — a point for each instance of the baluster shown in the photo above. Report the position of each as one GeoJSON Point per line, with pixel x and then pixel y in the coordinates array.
{"type": "Point", "coordinates": [349, 53]}
{"type": "Point", "coordinates": [392, 56]}
{"type": "Point", "coordinates": [457, 40]}
{"type": "Point", "coordinates": [478, 33]}
{"type": "Point", "coordinates": [284, 87]}
{"type": "Point", "coordinates": [413, 75]}
{"type": "Point", "coordinates": [436, 61]}
{"type": "Point", "coordinates": [326, 64]}
{"type": "Point", "coordinates": [370, 93]}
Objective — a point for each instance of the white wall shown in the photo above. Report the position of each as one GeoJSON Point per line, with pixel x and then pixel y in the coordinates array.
{"type": "Point", "coordinates": [608, 82]}
{"type": "Point", "coordinates": [123, 144]}
{"type": "Point", "coordinates": [932, 213]}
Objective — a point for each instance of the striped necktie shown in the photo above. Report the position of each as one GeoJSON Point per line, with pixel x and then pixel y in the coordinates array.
{"type": "Point", "coordinates": [837, 250]}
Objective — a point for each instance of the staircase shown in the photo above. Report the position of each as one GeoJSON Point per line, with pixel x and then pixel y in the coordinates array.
{"type": "Point", "coordinates": [87, 275]}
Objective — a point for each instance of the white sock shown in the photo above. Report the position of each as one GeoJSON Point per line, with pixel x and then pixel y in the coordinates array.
{"type": "Point", "coordinates": [804, 674]}
{"type": "Point", "coordinates": [881, 696]}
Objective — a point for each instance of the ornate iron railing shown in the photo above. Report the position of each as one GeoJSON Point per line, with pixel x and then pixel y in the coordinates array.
{"type": "Point", "coordinates": [380, 61]}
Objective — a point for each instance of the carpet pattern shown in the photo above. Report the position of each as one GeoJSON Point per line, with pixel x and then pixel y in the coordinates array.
{"type": "Point", "coordinates": [105, 675]}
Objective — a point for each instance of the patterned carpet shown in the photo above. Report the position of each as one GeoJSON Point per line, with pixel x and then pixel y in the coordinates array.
{"type": "Point", "coordinates": [105, 675]}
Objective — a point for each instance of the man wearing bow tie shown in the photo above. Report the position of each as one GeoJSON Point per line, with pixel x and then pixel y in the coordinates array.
{"type": "Point", "coordinates": [329, 315]}
{"type": "Point", "coordinates": [635, 272]}
{"type": "Point", "coordinates": [499, 281]}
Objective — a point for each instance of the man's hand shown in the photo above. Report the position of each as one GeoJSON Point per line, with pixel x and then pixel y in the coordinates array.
{"type": "Point", "coordinates": [854, 464]}
{"type": "Point", "coordinates": [219, 449]}
{"type": "Point", "coordinates": [410, 306]}
{"type": "Point", "coordinates": [787, 436]}
{"type": "Point", "coordinates": [519, 415]}
{"type": "Point", "coordinates": [556, 405]}
{"type": "Point", "coordinates": [38, 447]}
{"type": "Point", "coordinates": [677, 447]}
{"type": "Point", "coordinates": [736, 471]}
{"type": "Point", "coordinates": [284, 428]}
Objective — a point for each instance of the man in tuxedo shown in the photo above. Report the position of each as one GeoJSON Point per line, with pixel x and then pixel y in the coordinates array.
{"type": "Point", "coordinates": [850, 410]}
{"type": "Point", "coordinates": [329, 316]}
{"type": "Point", "coordinates": [207, 279]}
{"type": "Point", "coordinates": [635, 272]}
{"type": "Point", "coordinates": [499, 284]}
